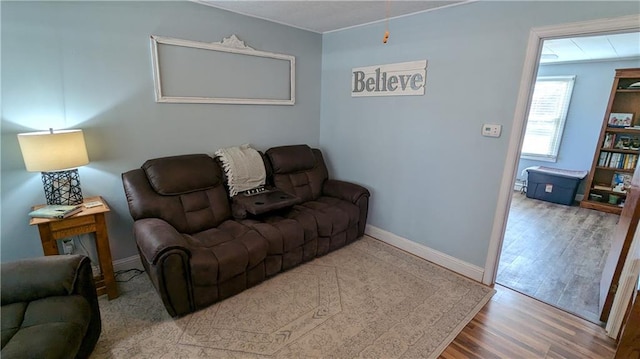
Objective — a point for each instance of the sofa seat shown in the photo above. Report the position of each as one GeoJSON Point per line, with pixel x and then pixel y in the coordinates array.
{"type": "Point", "coordinates": [51, 327]}
{"type": "Point", "coordinates": [226, 260]}
{"type": "Point", "coordinates": [49, 308]}
{"type": "Point", "coordinates": [292, 240]}
{"type": "Point", "coordinates": [337, 222]}
{"type": "Point", "coordinates": [232, 246]}
{"type": "Point", "coordinates": [215, 263]}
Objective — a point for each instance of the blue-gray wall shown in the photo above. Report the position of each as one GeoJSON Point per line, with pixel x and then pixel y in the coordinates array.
{"type": "Point", "coordinates": [434, 179]}
{"type": "Point", "coordinates": [88, 65]}
{"type": "Point", "coordinates": [589, 100]}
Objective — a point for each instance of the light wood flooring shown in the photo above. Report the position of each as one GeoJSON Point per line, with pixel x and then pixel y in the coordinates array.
{"type": "Point", "coordinates": [555, 253]}
{"type": "Point", "coordinates": [513, 325]}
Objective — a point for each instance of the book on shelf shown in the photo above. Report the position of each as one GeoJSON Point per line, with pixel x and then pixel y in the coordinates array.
{"type": "Point", "coordinates": [602, 159]}
{"type": "Point", "coordinates": [621, 181]}
{"type": "Point", "coordinates": [620, 160]}
{"type": "Point", "coordinates": [622, 142]}
{"type": "Point", "coordinates": [633, 161]}
{"type": "Point", "coordinates": [609, 140]}
{"type": "Point", "coordinates": [625, 164]}
{"type": "Point", "coordinates": [602, 187]}
{"type": "Point", "coordinates": [55, 211]}
{"type": "Point", "coordinates": [613, 161]}
{"type": "Point", "coordinates": [629, 161]}
{"type": "Point", "coordinates": [605, 158]}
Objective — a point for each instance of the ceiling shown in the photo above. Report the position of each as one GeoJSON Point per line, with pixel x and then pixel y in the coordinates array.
{"type": "Point", "coordinates": [325, 16]}
{"type": "Point", "coordinates": [591, 48]}
{"type": "Point", "coordinates": [333, 15]}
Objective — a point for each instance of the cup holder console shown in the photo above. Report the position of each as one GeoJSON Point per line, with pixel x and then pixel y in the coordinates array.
{"type": "Point", "coordinates": [265, 200]}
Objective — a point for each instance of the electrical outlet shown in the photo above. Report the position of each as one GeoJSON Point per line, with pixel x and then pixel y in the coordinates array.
{"type": "Point", "coordinates": [67, 246]}
{"type": "Point", "coordinates": [96, 270]}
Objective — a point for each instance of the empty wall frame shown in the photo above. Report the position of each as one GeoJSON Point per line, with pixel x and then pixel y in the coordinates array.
{"type": "Point", "coordinates": [226, 72]}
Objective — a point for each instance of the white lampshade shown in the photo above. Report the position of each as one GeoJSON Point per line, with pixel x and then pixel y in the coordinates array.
{"type": "Point", "coordinates": [53, 151]}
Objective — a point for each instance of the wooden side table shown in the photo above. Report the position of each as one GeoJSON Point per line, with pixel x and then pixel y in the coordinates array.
{"type": "Point", "coordinates": [89, 220]}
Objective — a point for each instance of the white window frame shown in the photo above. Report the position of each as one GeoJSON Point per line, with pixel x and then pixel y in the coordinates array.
{"type": "Point", "coordinates": [563, 111]}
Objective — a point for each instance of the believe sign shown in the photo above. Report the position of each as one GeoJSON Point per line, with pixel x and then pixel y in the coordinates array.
{"type": "Point", "coordinates": [401, 79]}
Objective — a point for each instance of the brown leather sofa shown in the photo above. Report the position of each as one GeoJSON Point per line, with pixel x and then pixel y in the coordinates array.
{"type": "Point", "coordinates": [199, 246]}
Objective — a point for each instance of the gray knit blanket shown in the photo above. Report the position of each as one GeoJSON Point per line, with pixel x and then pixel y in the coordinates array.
{"type": "Point", "coordinates": [243, 168]}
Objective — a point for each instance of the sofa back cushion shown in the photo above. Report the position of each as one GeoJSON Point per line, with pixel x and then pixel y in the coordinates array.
{"type": "Point", "coordinates": [24, 280]}
{"type": "Point", "coordinates": [186, 191]}
{"type": "Point", "coordinates": [299, 170]}
{"type": "Point", "coordinates": [181, 174]}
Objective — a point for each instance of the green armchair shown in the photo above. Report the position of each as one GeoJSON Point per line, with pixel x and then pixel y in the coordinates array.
{"type": "Point", "coordinates": [49, 308]}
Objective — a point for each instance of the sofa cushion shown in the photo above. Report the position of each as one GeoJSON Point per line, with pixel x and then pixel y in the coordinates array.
{"type": "Point", "coordinates": [51, 327]}
{"type": "Point", "coordinates": [332, 215]}
{"type": "Point", "coordinates": [203, 209]}
{"type": "Point", "coordinates": [11, 316]}
{"type": "Point", "coordinates": [282, 234]}
{"type": "Point", "coordinates": [46, 341]}
{"type": "Point", "coordinates": [185, 191]}
{"type": "Point", "coordinates": [73, 309]}
{"type": "Point", "coordinates": [337, 221]}
{"type": "Point", "coordinates": [27, 282]}
{"type": "Point", "coordinates": [302, 181]}
{"type": "Point", "coordinates": [221, 253]}
{"type": "Point", "coordinates": [182, 174]}
{"type": "Point", "coordinates": [287, 159]}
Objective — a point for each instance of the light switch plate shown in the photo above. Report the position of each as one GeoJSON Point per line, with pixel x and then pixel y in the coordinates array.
{"type": "Point", "coordinates": [491, 130]}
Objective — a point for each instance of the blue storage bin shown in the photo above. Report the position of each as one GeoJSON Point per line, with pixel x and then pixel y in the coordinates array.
{"type": "Point", "coordinates": [553, 184]}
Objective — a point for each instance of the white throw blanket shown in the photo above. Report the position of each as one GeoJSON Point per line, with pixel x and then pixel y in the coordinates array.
{"type": "Point", "coordinates": [243, 167]}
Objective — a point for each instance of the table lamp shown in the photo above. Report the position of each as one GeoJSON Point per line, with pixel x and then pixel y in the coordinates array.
{"type": "Point", "coordinates": [56, 155]}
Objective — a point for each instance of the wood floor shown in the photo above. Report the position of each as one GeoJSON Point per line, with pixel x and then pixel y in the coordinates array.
{"type": "Point", "coordinates": [556, 253]}
{"type": "Point", "coordinates": [513, 325]}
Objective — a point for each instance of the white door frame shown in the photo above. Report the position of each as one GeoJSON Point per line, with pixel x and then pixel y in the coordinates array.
{"type": "Point", "coordinates": [530, 69]}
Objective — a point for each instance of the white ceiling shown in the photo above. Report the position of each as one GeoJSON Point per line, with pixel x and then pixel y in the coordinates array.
{"type": "Point", "coordinates": [332, 15]}
{"type": "Point", "coordinates": [591, 48]}
{"type": "Point", "coordinates": [324, 16]}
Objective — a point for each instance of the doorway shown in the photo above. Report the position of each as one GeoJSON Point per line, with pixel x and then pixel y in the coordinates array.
{"type": "Point", "coordinates": [537, 36]}
{"type": "Point", "coordinates": [553, 252]}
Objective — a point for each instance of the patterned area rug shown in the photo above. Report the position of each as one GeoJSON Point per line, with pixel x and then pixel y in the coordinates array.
{"type": "Point", "coordinates": [366, 300]}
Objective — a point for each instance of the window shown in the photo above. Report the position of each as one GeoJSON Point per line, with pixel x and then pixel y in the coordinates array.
{"type": "Point", "coordinates": [547, 115]}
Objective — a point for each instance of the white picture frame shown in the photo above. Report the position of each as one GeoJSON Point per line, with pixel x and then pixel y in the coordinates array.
{"type": "Point", "coordinates": [231, 45]}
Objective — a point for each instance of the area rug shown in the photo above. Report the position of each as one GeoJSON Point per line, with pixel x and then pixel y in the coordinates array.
{"type": "Point", "coordinates": [366, 300]}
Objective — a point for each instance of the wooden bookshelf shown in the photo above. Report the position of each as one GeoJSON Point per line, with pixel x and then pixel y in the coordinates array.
{"type": "Point", "coordinates": [611, 157]}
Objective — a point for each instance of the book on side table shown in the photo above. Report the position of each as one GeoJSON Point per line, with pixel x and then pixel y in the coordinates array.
{"type": "Point", "coordinates": [55, 211]}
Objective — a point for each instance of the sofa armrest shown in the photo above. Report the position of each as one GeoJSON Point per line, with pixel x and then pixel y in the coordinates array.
{"type": "Point", "coordinates": [347, 191]}
{"type": "Point", "coordinates": [85, 286]}
{"type": "Point", "coordinates": [353, 193]}
{"type": "Point", "coordinates": [155, 237]}
{"type": "Point", "coordinates": [30, 279]}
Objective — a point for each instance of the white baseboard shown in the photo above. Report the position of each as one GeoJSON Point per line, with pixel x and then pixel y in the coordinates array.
{"type": "Point", "coordinates": [454, 264]}
{"type": "Point", "coordinates": [127, 263]}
